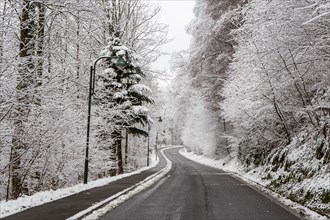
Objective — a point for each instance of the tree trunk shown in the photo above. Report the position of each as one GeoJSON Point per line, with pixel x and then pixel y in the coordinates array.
{"type": "Point", "coordinates": [40, 53]}
{"type": "Point", "coordinates": [126, 147]}
{"type": "Point", "coordinates": [21, 109]}
{"type": "Point", "coordinates": [78, 46]}
{"type": "Point", "coordinates": [116, 136]}
{"type": "Point", "coordinates": [2, 34]}
{"type": "Point", "coordinates": [277, 108]}
{"type": "Point", "coordinates": [120, 169]}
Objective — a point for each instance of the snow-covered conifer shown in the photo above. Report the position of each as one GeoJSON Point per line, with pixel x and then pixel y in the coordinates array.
{"type": "Point", "coordinates": [120, 98]}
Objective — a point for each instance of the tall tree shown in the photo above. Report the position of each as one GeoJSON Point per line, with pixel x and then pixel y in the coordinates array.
{"type": "Point", "coordinates": [121, 98]}
{"type": "Point", "coordinates": [24, 85]}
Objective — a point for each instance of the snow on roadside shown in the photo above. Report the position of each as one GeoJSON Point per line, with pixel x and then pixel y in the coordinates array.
{"type": "Point", "coordinates": [254, 178]}
{"type": "Point", "coordinates": [14, 206]}
{"type": "Point", "coordinates": [112, 203]}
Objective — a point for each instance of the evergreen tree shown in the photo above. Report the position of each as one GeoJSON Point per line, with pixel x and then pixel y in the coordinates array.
{"type": "Point", "coordinates": [120, 99]}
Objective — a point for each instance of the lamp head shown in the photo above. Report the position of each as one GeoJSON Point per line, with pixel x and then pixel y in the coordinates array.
{"type": "Point", "coordinates": [121, 63]}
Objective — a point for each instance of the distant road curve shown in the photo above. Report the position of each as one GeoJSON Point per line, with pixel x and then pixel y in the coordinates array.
{"type": "Point", "coordinates": [196, 192]}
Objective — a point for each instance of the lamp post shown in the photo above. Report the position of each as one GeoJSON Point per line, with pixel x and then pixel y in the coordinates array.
{"type": "Point", "coordinates": [148, 145]}
{"type": "Point", "coordinates": [120, 64]}
{"type": "Point", "coordinates": [157, 142]}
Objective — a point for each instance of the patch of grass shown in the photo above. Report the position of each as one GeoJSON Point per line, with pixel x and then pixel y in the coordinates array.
{"type": "Point", "coordinates": [325, 197]}
{"type": "Point", "coordinates": [287, 179]}
{"type": "Point", "coordinates": [311, 173]}
{"type": "Point", "coordinates": [304, 172]}
{"type": "Point", "coordinates": [293, 197]}
{"type": "Point", "coordinates": [247, 162]}
{"type": "Point", "coordinates": [275, 168]}
{"type": "Point", "coordinates": [257, 159]}
{"type": "Point", "coordinates": [288, 165]}
{"type": "Point", "coordinates": [275, 184]}
{"type": "Point", "coordinates": [308, 196]}
{"type": "Point", "coordinates": [319, 151]}
{"type": "Point", "coordinates": [275, 160]}
{"type": "Point", "coordinates": [269, 176]}
{"type": "Point", "coordinates": [282, 158]}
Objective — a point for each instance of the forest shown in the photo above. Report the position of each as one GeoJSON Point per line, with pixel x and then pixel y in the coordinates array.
{"type": "Point", "coordinates": [46, 50]}
{"type": "Point", "coordinates": [254, 87]}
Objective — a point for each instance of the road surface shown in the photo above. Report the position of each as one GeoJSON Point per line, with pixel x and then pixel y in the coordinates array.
{"type": "Point", "coordinates": [195, 192]}
{"type": "Point", "coordinates": [66, 207]}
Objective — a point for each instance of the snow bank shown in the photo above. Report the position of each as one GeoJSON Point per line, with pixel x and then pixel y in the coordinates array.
{"type": "Point", "coordinates": [13, 206]}
{"type": "Point", "coordinates": [254, 178]}
{"type": "Point", "coordinates": [112, 202]}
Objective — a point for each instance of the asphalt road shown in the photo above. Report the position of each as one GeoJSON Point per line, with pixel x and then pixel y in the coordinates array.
{"type": "Point", "coordinates": [71, 205]}
{"type": "Point", "coordinates": [193, 191]}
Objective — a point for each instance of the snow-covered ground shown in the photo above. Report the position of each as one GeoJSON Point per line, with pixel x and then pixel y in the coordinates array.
{"type": "Point", "coordinates": [254, 178]}
{"type": "Point", "coordinates": [13, 206]}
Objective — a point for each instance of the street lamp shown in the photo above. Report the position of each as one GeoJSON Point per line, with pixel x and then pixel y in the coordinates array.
{"type": "Point", "coordinates": [156, 145]}
{"type": "Point", "coordinates": [120, 64]}
{"type": "Point", "coordinates": [148, 146]}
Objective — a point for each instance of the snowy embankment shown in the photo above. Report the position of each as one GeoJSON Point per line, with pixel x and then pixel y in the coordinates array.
{"type": "Point", "coordinates": [254, 177]}
{"type": "Point", "coordinates": [14, 206]}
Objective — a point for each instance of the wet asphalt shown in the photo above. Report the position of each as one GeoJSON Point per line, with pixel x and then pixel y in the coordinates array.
{"type": "Point", "coordinates": [69, 206]}
{"type": "Point", "coordinates": [192, 191]}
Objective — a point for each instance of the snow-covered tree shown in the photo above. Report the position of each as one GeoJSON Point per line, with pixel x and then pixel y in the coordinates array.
{"type": "Point", "coordinates": [196, 124]}
{"type": "Point", "coordinates": [275, 80]}
{"type": "Point", "coordinates": [200, 126]}
{"type": "Point", "coordinates": [210, 53]}
{"type": "Point", "coordinates": [45, 51]}
{"type": "Point", "coordinates": [120, 98]}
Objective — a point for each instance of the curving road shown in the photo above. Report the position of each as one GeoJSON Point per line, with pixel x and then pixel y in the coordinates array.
{"type": "Point", "coordinates": [195, 192]}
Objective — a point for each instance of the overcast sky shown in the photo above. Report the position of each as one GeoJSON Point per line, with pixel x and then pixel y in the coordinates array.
{"type": "Point", "coordinates": [177, 14]}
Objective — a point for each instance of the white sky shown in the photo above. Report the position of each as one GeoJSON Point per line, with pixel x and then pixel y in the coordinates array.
{"type": "Point", "coordinates": [177, 14]}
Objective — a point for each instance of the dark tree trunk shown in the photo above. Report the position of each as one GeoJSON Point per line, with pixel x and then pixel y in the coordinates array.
{"type": "Point", "coordinates": [119, 155]}
{"type": "Point", "coordinates": [120, 159]}
{"type": "Point", "coordinates": [126, 147]}
{"type": "Point", "coordinates": [40, 53]}
{"type": "Point", "coordinates": [113, 169]}
{"type": "Point", "coordinates": [21, 110]}
{"type": "Point", "coordinates": [116, 153]}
